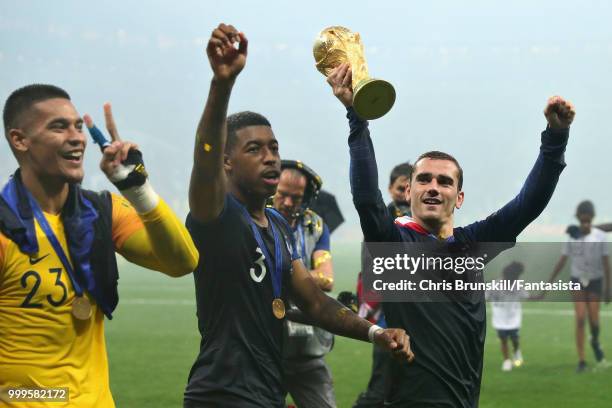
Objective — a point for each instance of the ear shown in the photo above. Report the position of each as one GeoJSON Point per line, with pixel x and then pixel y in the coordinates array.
{"type": "Point", "coordinates": [227, 163]}
{"type": "Point", "coordinates": [460, 198]}
{"type": "Point", "coordinates": [18, 140]}
{"type": "Point", "coordinates": [406, 192]}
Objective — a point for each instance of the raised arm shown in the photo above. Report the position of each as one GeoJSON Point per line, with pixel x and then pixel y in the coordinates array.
{"type": "Point", "coordinates": [207, 185]}
{"type": "Point", "coordinates": [376, 222]}
{"type": "Point", "coordinates": [332, 316]}
{"type": "Point", "coordinates": [508, 222]}
{"type": "Point", "coordinates": [146, 231]}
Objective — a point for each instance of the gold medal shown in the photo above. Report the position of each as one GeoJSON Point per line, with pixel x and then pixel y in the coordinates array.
{"type": "Point", "coordinates": [81, 308]}
{"type": "Point", "coordinates": [278, 308]}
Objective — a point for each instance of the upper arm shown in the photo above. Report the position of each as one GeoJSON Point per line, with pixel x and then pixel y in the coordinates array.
{"type": "Point", "coordinates": [206, 190]}
{"type": "Point", "coordinates": [3, 245]}
{"type": "Point", "coordinates": [207, 184]}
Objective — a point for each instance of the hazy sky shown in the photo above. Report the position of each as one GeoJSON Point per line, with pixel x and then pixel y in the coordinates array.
{"type": "Point", "coordinates": [472, 79]}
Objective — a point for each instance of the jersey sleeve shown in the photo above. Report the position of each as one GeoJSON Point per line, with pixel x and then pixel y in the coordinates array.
{"type": "Point", "coordinates": [3, 245]}
{"type": "Point", "coordinates": [323, 244]}
{"type": "Point", "coordinates": [565, 249]}
{"type": "Point", "coordinates": [125, 220]}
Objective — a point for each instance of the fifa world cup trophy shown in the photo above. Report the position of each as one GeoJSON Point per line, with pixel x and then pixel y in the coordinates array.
{"type": "Point", "coordinates": [372, 98]}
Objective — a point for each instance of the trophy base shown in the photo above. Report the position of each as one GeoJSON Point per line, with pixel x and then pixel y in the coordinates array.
{"type": "Point", "coordinates": [373, 98]}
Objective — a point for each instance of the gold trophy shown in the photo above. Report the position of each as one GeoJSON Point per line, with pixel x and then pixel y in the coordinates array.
{"type": "Point", "coordinates": [372, 98]}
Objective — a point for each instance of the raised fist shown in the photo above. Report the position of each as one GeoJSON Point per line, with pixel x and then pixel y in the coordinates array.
{"type": "Point", "coordinates": [559, 112]}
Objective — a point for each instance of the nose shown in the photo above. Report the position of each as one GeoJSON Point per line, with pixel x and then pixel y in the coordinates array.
{"type": "Point", "coordinates": [271, 157]}
{"type": "Point", "coordinates": [288, 202]}
{"type": "Point", "coordinates": [76, 136]}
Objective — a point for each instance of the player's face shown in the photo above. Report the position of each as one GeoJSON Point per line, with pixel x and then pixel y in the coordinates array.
{"type": "Point", "coordinates": [434, 192]}
{"type": "Point", "coordinates": [397, 190]}
{"type": "Point", "coordinates": [254, 163]}
{"type": "Point", "coordinates": [289, 194]}
{"type": "Point", "coordinates": [50, 142]}
{"type": "Point", "coordinates": [585, 221]}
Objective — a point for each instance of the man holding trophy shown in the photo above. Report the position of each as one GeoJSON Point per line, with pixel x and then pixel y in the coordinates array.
{"type": "Point", "coordinates": [447, 337]}
{"type": "Point", "coordinates": [249, 264]}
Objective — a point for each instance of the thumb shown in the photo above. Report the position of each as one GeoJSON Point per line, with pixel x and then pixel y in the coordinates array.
{"type": "Point", "coordinates": [243, 45]}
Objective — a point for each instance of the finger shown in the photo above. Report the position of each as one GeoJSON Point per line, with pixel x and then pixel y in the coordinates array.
{"type": "Point", "coordinates": [230, 32]}
{"type": "Point", "coordinates": [125, 149]}
{"type": "Point", "coordinates": [243, 44]}
{"type": "Point", "coordinates": [346, 81]}
{"type": "Point", "coordinates": [110, 152]}
{"type": "Point", "coordinates": [88, 121]}
{"type": "Point", "coordinates": [221, 35]}
{"type": "Point", "coordinates": [110, 123]}
{"type": "Point", "coordinates": [338, 74]}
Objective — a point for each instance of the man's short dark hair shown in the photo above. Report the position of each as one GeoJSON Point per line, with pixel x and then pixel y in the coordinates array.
{"type": "Point", "coordinates": [436, 155]}
{"type": "Point", "coordinates": [241, 120]}
{"type": "Point", "coordinates": [402, 169]}
{"type": "Point", "coordinates": [586, 207]}
{"type": "Point", "coordinates": [23, 98]}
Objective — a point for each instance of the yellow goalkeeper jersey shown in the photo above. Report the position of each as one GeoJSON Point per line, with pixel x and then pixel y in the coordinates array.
{"type": "Point", "coordinates": [41, 344]}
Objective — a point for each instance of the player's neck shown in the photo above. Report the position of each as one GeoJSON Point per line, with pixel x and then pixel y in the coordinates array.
{"type": "Point", "coordinates": [256, 206]}
{"type": "Point", "coordinates": [442, 230]}
{"type": "Point", "coordinates": [50, 193]}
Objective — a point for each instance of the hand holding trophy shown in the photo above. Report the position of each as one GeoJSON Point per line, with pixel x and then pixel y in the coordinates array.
{"type": "Point", "coordinates": [334, 46]}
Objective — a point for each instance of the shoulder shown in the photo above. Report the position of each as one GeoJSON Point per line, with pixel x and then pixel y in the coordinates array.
{"type": "Point", "coordinates": [231, 211]}
{"type": "Point", "coordinates": [313, 220]}
{"type": "Point", "coordinates": [599, 235]}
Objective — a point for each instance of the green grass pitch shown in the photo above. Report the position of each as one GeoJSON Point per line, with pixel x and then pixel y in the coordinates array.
{"type": "Point", "coordinates": [153, 340]}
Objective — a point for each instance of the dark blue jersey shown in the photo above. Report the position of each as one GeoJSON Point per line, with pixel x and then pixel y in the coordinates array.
{"type": "Point", "coordinates": [239, 364]}
{"type": "Point", "coordinates": [446, 337]}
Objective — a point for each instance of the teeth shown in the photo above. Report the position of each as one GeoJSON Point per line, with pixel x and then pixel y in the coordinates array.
{"type": "Point", "coordinates": [73, 156]}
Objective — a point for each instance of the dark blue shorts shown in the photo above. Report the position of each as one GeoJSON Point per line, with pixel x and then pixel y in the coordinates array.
{"type": "Point", "coordinates": [504, 334]}
{"type": "Point", "coordinates": [595, 286]}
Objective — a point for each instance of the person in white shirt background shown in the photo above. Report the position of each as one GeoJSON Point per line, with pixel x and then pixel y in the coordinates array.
{"type": "Point", "coordinates": [507, 316]}
{"type": "Point", "coordinates": [590, 266]}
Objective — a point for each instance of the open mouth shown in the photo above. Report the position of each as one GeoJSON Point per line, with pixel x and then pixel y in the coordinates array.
{"type": "Point", "coordinates": [432, 201]}
{"type": "Point", "coordinates": [75, 156]}
{"type": "Point", "coordinates": [271, 177]}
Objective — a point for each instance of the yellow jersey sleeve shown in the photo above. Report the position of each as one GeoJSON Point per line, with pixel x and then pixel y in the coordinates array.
{"type": "Point", "coordinates": [125, 220]}
{"type": "Point", "coordinates": [155, 240]}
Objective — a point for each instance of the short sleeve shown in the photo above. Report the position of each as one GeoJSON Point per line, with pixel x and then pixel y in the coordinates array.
{"type": "Point", "coordinates": [323, 244]}
{"type": "Point", "coordinates": [565, 249]}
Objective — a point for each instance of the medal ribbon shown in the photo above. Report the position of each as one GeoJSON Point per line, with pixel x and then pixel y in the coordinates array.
{"type": "Point", "coordinates": [303, 242]}
{"type": "Point", "coordinates": [276, 270]}
{"type": "Point", "coordinates": [44, 225]}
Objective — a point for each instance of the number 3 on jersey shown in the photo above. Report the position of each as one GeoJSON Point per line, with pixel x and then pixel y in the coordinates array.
{"type": "Point", "coordinates": [258, 271]}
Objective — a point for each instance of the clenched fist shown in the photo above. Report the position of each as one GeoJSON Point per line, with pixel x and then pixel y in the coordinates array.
{"type": "Point", "coordinates": [559, 112]}
{"type": "Point", "coordinates": [396, 341]}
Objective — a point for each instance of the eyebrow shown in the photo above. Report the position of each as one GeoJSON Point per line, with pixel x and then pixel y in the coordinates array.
{"type": "Point", "coordinates": [441, 178]}
{"type": "Point", "coordinates": [64, 121]}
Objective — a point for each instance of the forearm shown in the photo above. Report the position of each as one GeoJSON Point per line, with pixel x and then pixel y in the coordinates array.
{"type": "Point", "coordinates": [376, 223]}
{"type": "Point", "coordinates": [605, 227]}
{"type": "Point", "coordinates": [332, 316]}
{"type": "Point", "coordinates": [558, 267]}
{"type": "Point", "coordinates": [165, 245]}
{"type": "Point", "coordinates": [538, 187]}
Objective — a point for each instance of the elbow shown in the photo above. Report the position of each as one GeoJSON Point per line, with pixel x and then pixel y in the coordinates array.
{"type": "Point", "coordinates": [327, 286]}
{"type": "Point", "coordinates": [183, 265]}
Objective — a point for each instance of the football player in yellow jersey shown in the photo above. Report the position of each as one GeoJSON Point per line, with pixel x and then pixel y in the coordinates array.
{"type": "Point", "coordinates": [58, 272]}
